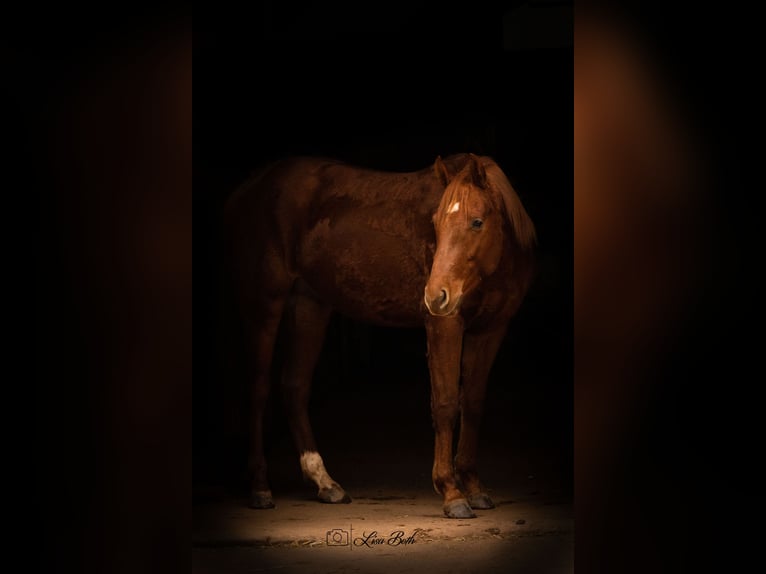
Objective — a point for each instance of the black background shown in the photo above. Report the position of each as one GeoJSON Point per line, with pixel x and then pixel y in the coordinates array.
{"type": "Point", "coordinates": [388, 87]}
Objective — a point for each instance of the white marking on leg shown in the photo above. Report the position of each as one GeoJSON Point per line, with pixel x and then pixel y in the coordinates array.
{"type": "Point", "coordinates": [454, 207]}
{"type": "Point", "coordinates": [313, 468]}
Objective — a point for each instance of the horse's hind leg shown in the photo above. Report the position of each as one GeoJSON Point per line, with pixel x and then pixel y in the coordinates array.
{"type": "Point", "coordinates": [305, 324]}
{"type": "Point", "coordinates": [261, 287]}
{"type": "Point", "coordinates": [262, 326]}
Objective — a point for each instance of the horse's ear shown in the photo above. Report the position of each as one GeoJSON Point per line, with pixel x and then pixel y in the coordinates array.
{"type": "Point", "coordinates": [440, 170]}
{"type": "Point", "coordinates": [477, 171]}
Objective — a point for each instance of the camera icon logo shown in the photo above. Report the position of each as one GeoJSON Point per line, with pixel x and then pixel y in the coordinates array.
{"type": "Point", "coordinates": [337, 537]}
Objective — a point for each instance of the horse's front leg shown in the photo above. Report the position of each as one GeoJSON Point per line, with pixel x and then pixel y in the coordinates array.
{"type": "Point", "coordinates": [445, 340]}
{"type": "Point", "coordinates": [479, 352]}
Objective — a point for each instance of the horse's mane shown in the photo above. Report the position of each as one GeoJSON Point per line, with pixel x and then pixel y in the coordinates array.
{"type": "Point", "coordinates": [523, 228]}
{"type": "Point", "coordinates": [522, 225]}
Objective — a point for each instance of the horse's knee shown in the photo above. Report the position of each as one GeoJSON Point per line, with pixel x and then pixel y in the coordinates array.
{"type": "Point", "coordinates": [444, 414]}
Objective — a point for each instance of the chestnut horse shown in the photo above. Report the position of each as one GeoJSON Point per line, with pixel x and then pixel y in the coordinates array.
{"type": "Point", "coordinates": [448, 247]}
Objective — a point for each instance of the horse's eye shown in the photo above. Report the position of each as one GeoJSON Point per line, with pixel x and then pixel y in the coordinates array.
{"type": "Point", "coordinates": [477, 223]}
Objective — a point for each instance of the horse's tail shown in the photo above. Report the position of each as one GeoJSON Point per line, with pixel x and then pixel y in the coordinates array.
{"type": "Point", "coordinates": [255, 177]}
{"type": "Point", "coordinates": [230, 335]}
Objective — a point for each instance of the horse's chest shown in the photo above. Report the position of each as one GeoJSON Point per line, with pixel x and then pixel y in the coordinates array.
{"type": "Point", "coordinates": [488, 306]}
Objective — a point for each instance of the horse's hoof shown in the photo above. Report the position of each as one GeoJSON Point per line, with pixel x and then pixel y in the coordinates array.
{"type": "Point", "coordinates": [458, 508]}
{"type": "Point", "coordinates": [334, 495]}
{"type": "Point", "coordinates": [261, 499]}
{"type": "Point", "coordinates": [480, 501]}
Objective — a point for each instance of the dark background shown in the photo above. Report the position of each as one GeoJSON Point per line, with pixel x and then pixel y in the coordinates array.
{"type": "Point", "coordinates": [112, 399]}
{"type": "Point", "coordinates": [388, 87]}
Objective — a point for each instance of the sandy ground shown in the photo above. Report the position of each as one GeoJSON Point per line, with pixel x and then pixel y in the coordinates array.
{"type": "Point", "coordinates": [378, 446]}
{"type": "Point", "coordinates": [383, 530]}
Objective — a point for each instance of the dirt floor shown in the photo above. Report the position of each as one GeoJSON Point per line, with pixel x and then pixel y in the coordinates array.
{"type": "Point", "coordinates": [383, 530]}
{"type": "Point", "coordinates": [377, 443]}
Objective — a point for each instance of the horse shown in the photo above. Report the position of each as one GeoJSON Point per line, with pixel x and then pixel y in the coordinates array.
{"type": "Point", "coordinates": [449, 248]}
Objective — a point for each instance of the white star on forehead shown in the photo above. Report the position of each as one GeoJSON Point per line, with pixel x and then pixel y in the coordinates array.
{"type": "Point", "coordinates": [454, 207]}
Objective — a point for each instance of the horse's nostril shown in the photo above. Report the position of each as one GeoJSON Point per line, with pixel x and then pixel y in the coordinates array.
{"type": "Point", "coordinates": [443, 299]}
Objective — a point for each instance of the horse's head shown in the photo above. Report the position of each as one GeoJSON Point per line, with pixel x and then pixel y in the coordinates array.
{"type": "Point", "coordinates": [470, 224]}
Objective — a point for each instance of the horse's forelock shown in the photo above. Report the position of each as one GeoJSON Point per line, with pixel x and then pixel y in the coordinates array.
{"type": "Point", "coordinates": [456, 188]}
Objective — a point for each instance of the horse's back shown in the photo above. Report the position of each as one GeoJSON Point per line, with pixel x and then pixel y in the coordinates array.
{"type": "Point", "coordinates": [284, 200]}
{"type": "Point", "coordinates": [281, 181]}
{"type": "Point", "coordinates": [361, 239]}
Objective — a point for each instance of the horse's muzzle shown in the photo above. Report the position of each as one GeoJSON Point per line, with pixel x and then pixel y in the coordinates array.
{"type": "Point", "coordinates": [441, 304]}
